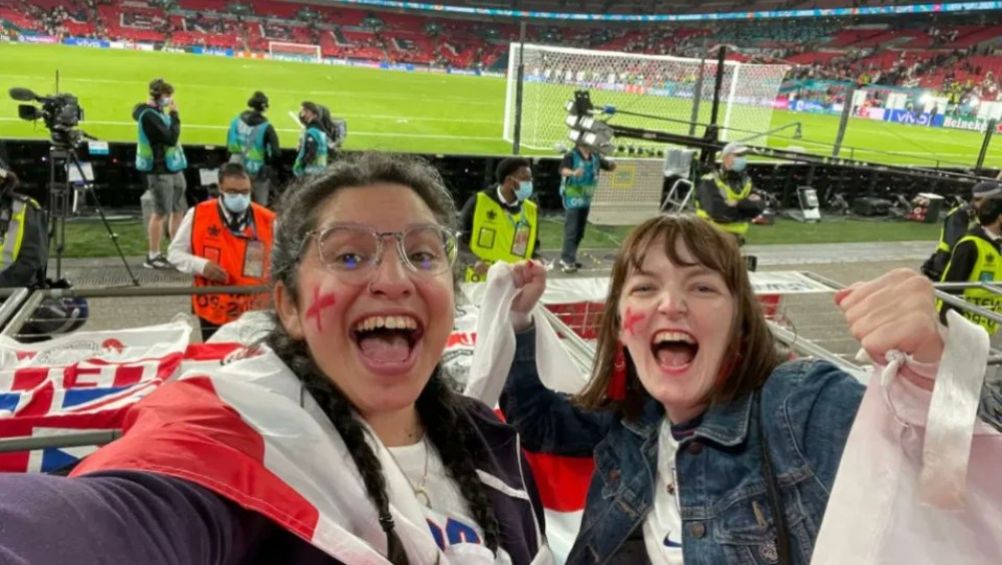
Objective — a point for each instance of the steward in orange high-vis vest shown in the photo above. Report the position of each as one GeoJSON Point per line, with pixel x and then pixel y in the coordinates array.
{"type": "Point", "coordinates": [225, 241]}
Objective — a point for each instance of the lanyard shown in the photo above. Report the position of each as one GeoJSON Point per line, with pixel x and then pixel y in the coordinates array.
{"type": "Point", "coordinates": [240, 234]}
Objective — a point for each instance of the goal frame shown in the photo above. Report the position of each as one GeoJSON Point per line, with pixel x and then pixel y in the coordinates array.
{"type": "Point", "coordinates": [307, 47]}
{"type": "Point", "coordinates": [730, 96]}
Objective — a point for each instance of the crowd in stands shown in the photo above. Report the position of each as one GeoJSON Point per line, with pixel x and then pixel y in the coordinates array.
{"type": "Point", "coordinates": [950, 54]}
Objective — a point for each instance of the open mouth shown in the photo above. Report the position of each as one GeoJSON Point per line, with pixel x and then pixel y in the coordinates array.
{"type": "Point", "coordinates": [387, 340]}
{"type": "Point", "coordinates": [674, 350]}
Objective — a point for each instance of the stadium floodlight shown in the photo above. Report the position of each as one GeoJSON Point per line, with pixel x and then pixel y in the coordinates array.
{"type": "Point", "coordinates": [584, 127]}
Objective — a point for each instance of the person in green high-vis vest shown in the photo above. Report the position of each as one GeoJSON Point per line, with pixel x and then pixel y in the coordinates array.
{"type": "Point", "coordinates": [312, 155]}
{"type": "Point", "coordinates": [579, 170]}
{"type": "Point", "coordinates": [253, 143]}
{"type": "Point", "coordinates": [977, 257]}
{"type": "Point", "coordinates": [160, 157]}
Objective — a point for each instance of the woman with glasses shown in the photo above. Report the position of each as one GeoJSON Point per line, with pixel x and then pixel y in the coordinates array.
{"type": "Point", "coordinates": [338, 442]}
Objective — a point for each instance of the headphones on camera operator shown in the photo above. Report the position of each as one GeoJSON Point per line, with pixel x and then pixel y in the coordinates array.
{"type": "Point", "coordinates": [335, 128]}
{"type": "Point", "coordinates": [158, 88]}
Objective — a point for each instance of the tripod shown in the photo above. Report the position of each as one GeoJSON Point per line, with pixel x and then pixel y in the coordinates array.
{"type": "Point", "coordinates": [61, 157]}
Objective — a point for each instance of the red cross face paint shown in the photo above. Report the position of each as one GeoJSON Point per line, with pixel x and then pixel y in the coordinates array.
{"type": "Point", "coordinates": [320, 303]}
{"type": "Point", "coordinates": [630, 320]}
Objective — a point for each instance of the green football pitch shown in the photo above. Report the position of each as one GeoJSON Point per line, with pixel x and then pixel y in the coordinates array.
{"type": "Point", "coordinates": [385, 110]}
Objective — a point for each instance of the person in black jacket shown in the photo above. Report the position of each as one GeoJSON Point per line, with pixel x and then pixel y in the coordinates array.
{"type": "Point", "coordinates": [253, 142]}
{"type": "Point", "coordinates": [159, 155]}
{"type": "Point", "coordinates": [726, 197]}
{"type": "Point", "coordinates": [313, 147]}
{"type": "Point", "coordinates": [24, 235]}
{"type": "Point", "coordinates": [977, 258]}
{"type": "Point", "coordinates": [956, 224]}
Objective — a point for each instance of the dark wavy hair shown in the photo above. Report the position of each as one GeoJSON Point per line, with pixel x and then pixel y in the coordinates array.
{"type": "Point", "coordinates": [446, 421]}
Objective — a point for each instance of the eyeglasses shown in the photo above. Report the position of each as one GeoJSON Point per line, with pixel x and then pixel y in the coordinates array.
{"type": "Point", "coordinates": [353, 251]}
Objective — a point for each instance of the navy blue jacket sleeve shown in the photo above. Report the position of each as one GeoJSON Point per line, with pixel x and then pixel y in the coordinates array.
{"type": "Point", "coordinates": [955, 227]}
{"type": "Point", "coordinates": [548, 421]}
{"type": "Point", "coordinates": [121, 518]}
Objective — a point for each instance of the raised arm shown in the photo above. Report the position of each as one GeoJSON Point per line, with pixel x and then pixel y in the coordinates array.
{"type": "Point", "coordinates": [547, 420]}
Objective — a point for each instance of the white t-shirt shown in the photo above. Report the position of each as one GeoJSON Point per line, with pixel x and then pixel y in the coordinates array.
{"type": "Point", "coordinates": [449, 516]}
{"type": "Point", "coordinates": [663, 526]}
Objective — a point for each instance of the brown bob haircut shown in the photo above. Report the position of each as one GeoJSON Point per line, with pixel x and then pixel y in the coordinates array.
{"type": "Point", "coordinates": [754, 352]}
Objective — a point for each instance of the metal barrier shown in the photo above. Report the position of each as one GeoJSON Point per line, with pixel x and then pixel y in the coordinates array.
{"type": "Point", "coordinates": [14, 298]}
{"type": "Point", "coordinates": [797, 326]}
{"type": "Point", "coordinates": [15, 322]}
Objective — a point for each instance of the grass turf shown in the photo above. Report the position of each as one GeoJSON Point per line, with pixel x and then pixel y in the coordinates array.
{"type": "Point", "coordinates": [386, 110]}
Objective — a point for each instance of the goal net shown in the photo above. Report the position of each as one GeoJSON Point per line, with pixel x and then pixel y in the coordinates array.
{"type": "Point", "coordinates": [294, 51]}
{"type": "Point", "coordinates": [659, 86]}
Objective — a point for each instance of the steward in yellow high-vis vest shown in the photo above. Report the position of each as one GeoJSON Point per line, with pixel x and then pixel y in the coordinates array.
{"type": "Point", "coordinates": [725, 198]}
{"type": "Point", "coordinates": [977, 258]}
{"type": "Point", "coordinates": [500, 223]}
{"type": "Point", "coordinates": [955, 226]}
{"type": "Point", "coordinates": [24, 236]}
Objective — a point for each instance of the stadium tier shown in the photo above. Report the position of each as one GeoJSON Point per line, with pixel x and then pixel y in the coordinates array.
{"type": "Point", "coordinates": [912, 52]}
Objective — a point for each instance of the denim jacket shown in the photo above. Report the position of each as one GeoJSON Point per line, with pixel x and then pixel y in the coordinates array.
{"type": "Point", "coordinates": [807, 410]}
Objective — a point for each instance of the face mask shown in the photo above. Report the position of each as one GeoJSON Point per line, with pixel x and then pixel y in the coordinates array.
{"type": "Point", "coordinates": [165, 101]}
{"type": "Point", "coordinates": [236, 203]}
{"type": "Point", "coordinates": [524, 190]}
{"type": "Point", "coordinates": [739, 164]}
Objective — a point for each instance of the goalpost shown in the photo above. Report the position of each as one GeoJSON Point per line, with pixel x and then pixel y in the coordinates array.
{"type": "Point", "coordinates": [294, 51]}
{"type": "Point", "coordinates": [661, 86]}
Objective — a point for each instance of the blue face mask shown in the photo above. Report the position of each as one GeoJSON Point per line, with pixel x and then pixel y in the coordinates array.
{"type": "Point", "coordinates": [524, 190]}
{"type": "Point", "coordinates": [739, 164]}
{"type": "Point", "coordinates": [236, 203]}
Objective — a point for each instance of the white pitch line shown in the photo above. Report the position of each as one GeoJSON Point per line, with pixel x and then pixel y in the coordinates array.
{"type": "Point", "coordinates": [351, 95]}
{"type": "Point", "coordinates": [352, 133]}
{"type": "Point", "coordinates": [295, 119]}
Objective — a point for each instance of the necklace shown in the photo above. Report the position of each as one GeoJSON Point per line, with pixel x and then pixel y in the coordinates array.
{"type": "Point", "coordinates": [419, 490]}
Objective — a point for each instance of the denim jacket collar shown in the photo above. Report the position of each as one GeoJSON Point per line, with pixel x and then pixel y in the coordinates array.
{"type": "Point", "coordinates": [726, 424]}
{"type": "Point", "coordinates": [649, 420]}
{"type": "Point", "coordinates": [723, 424]}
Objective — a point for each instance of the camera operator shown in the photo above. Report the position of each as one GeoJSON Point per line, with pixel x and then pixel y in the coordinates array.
{"type": "Point", "coordinates": [159, 155]}
{"type": "Point", "coordinates": [252, 142]}
{"type": "Point", "coordinates": [25, 238]}
{"type": "Point", "coordinates": [312, 156]}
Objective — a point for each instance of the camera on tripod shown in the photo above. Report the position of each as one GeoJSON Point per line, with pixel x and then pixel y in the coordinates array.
{"type": "Point", "coordinates": [61, 114]}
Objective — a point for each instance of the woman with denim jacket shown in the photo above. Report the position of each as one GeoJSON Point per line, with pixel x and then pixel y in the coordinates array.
{"type": "Point", "coordinates": [708, 445]}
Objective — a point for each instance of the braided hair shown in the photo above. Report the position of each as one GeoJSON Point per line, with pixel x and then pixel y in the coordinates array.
{"type": "Point", "coordinates": [441, 411]}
